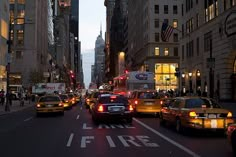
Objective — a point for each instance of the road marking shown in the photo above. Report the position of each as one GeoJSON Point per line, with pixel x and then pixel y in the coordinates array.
{"type": "Point", "coordinates": [167, 139]}
{"type": "Point", "coordinates": [70, 140]}
{"type": "Point", "coordinates": [28, 119]}
{"type": "Point", "coordinates": [110, 141]}
{"type": "Point", "coordinates": [85, 140]}
{"type": "Point", "coordinates": [77, 117]}
{"type": "Point", "coordinates": [81, 108]}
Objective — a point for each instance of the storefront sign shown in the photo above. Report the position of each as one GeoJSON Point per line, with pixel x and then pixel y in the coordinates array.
{"type": "Point", "coordinates": [230, 24]}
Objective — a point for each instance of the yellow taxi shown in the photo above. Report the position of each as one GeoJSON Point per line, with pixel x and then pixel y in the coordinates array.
{"type": "Point", "coordinates": [195, 112]}
{"type": "Point", "coordinates": [49, 104]}
{"type": "Point", "coordinates": [67, 103]}
{"type": "Point", "coordinates": [145, 101]}
{"type": "Point", "coordinates": [72, 98]}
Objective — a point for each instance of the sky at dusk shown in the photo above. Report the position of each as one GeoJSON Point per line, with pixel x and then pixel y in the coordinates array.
{"type": "Point", "coordinates": [92, 15]}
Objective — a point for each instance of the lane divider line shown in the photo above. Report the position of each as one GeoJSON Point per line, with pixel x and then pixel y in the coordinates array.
{"type": "Point", "coordinates": [167, 139]}
{"type": "Point", "coordinates": [28, 119]}
{"type": "Point", "coordinates": [70, 140]}
{"type": "Point", "coordinates": [77, 117]}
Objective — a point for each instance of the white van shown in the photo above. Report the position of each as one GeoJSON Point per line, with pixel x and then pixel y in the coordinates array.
{"type": "Point", "coordinates": [15, 90]}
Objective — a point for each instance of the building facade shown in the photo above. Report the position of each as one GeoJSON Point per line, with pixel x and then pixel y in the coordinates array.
{"type": "Point", "coordinates": [109, 4]}
{"type": "Point", "coordinates": [147, 50]}
{"type": "Point", "coordinates": [99, 63]}
{"type": "Point", "coordinates": [208, 48]}
{"type": "Point", "coordinates": [29, 36]}
{"type": "Point", "coordinates": [4, 27]}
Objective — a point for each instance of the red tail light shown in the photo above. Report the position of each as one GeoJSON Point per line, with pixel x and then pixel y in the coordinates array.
{"type": "Point", "coordinates": [38, 105]}
{"type": "Point", "coordinates": [136, 102]}
{"type": "Point", "coordinates": [131, 108]}
{"type": "Point", "coordinates": [100, 108]}
{"type": "Point", "coordinates": [161, 102]}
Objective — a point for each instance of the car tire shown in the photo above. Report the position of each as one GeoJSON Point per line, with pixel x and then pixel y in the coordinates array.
{"type": "Point", "coordinates": [38, 114]}
{"type": "Point", "coordinates": [233, 142]}
{"type": "Point", "coordinates": [162, 121]}
{"type": "Point", "coordinates": [178, 126]}
{"type": "Point", "coordinates": [95, 120]}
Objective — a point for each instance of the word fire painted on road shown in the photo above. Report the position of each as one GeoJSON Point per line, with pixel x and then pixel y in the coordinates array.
{"type": "Point", "coordinates": [126, 140]}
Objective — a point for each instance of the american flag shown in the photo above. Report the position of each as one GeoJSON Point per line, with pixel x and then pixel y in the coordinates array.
{"type": "Point", "coordinates": [166, 31]}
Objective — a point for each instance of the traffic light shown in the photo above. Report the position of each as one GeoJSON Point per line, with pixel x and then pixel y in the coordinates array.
{"type": "Point", "coordinates": [177, 72]}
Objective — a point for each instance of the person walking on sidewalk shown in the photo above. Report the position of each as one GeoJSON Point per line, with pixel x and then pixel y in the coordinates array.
{"type": "Point", "coordinates": [2, 97]}
{"type": "Point", "coordinates": [8, 101]}
{"type": "Point", "coordinates": [21, 98]}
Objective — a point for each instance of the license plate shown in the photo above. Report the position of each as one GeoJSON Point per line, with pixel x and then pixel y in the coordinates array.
{"type": "Point", "coordinates": [211, 116]}
{"type": "Point", "coordinates": [213, 123]}
{"type": "Point", "coordinates": [115, 109]}
{"type": "Point", "coordinates": [148, 103]}
{"type": "Point", "coordinates": [49, 105]}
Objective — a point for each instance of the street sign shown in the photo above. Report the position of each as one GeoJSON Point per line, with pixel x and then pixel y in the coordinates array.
{"type": "Point", "coordinates": [210, 62]}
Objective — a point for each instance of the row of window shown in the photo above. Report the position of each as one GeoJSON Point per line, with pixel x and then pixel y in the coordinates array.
{"type": "Point", "coordinates": [166, 52]}
{"type": "Point", "coordinates": [175, 37]}
{"type": "Point", "coordinates": [166, 9]}
{"type": "Point", "coordinates": [174, 23]}
{"type": "Point", "coordinates": [190, 49]}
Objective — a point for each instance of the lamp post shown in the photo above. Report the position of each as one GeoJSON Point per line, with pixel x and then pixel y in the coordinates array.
{"type": "Point", "coordinates": [190, 81]}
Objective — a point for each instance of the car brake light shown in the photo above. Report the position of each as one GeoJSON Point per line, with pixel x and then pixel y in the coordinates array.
{"type": "Point", "coordinates": [100, 108]}
{"type": "Point", "coordinates": [136, 102]}
{"type": "Point", "coordinates": [229, 115]}
{"type": "Point", "coordinates": [60, 104]}
{"type": "Point", "coordinates": [161, 102]}
{"type": "Point", "coordinates": [192, 114]}
{"type": "Point", "coordinates": [113, 97]}
{"type": "Point", "coordinates": [38, 105]}
{"type": "Point", "coordinates": [87, 100]}
{"type": "Point", "coordinates": [131, 108]}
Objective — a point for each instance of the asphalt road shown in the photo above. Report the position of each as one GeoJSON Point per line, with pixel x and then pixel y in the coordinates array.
{"type": "Point", "coordinates": [22, 134]}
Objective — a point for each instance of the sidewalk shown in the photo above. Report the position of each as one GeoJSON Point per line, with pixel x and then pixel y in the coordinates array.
{"type": "Point", "coordinates": [15, 107]}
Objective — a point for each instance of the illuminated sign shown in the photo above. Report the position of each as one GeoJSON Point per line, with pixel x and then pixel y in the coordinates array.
{"type": "Point", "coordinates": [141, 76]}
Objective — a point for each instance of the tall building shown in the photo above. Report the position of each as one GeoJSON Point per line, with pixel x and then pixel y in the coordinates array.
{"type": "Point", "coordinates": [99, 62]}
{"type": "Point", "coordinates": [117, 37]}
{"type": "Point", "coordinates": [30, 40]}
{"type": "Point", "coordinates": [4, 27]}
{"type": "Point", "coordinates": [109, 4]}
{"type": "Point", "coordinates": [208, 48]}
{"type": "Point", "coordinates": [74, 28]}
{"type": "Point", "coordinates": [148, 50]}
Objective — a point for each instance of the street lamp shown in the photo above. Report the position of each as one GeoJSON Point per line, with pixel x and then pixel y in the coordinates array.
{"type": "Point", "coordinates": [190, 81]}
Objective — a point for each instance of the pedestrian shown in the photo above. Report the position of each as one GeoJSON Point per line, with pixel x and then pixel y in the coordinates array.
{"type": "Point", "coordinates": [2, 97]}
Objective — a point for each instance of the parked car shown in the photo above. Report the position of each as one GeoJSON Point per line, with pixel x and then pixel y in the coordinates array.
{"type": "Point", "coordinates": [231, 135]}
{"type": "Point", "coordinates": [145, 101]}
{"type": "Point", "coordinates": [195, 112]}
{"type": "Point", "coordinates": [49, 104]}
{"type": "Point", "coordinates": [111, 106]}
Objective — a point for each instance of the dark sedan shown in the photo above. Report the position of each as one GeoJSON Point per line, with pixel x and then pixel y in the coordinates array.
{"type": "Point", "coordinates": [111, 106]}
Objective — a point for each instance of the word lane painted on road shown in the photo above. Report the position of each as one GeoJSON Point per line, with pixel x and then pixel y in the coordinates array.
{"type": "Point", "coordinates": [125, 140]}
{"type": "Point", "coordinates": [109, 126]}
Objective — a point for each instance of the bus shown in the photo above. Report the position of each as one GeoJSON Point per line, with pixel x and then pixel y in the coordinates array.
{"type": "Point", "coordinates": [134, 80]}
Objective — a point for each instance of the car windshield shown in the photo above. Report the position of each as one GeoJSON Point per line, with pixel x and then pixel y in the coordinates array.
{"type": "Point", "coordinates": [148, 95]}
{"type": "Point", "coordinates": [49, 99]}
{"type": "Point", "coordinates": [113, 99]}
{"type": "Point", "coordinates": [63, 97]}
{"type": "Point", "coordinates": [199, 103]}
